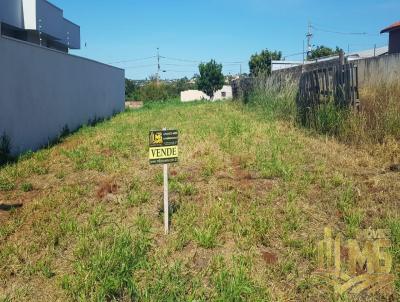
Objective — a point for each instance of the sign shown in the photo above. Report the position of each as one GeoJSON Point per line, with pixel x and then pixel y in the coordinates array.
{"type": "Point", "coordinates": [163, 147]}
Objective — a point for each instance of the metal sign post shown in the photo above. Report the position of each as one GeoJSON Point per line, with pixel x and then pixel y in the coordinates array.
{"type": "Point", "coordinates": [166, 202]}
{"type": "Point", "coordinates": [164, 150]}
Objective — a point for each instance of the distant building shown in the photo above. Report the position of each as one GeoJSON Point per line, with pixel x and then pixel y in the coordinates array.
{"type": "Point", "coordinates": [197, 95]}
{"type": "Point", "coordinates": [394, 37]}
{"type": "Point", "coordinates": [38, 22]}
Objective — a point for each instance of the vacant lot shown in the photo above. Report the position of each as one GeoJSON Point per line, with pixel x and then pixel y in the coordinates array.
{"type": "Point", "coordinates": [250, 199]}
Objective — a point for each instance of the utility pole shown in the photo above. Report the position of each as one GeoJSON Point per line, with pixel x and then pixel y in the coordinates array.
{"type": "Point", "coordinates": [309, 40]}
{"type": "Point", "coordinates": [158, 66]}
{"type": "Point", "coordinates": [240, 73]}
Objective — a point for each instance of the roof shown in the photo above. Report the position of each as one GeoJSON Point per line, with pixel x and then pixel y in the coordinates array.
{"type": "Point", "coordinates": [391, 27]}
{"type": "Point", "coordinates": [369, 52]}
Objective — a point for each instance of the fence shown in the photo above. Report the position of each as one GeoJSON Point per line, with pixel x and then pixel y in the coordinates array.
{"type": "Point", "coordinates": [338, 83]}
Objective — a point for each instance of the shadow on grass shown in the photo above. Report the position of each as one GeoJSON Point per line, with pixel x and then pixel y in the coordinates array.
{"type": "Point", "coordinates": [10, 207]}
{"type": "Point", "coordinates": [5, 141]}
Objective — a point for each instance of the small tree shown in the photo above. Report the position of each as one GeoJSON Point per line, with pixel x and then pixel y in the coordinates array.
{"type": "Point", "coordinates": [322, 52]}
{"type": "Point", "coordinates": [211, 78]}
{"type": "Point", "coordinates": [130, 88]}
{"type": "Point", "coordinates": [261, 63]}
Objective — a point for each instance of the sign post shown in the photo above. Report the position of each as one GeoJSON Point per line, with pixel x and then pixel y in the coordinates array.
{"type": "Point", "coordinates": [166, 201]}
{"type": "Point", "coordinates": [164, 150]}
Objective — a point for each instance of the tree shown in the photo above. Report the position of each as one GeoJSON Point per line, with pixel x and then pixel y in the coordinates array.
{"type": "Point", "coordinates": [322, 52]}
{"type": "Point", "coordinates": [261, 63]}
{"type": "Point", "coordinates": [130, 88]}
{"type": "Point", "coordinates": [211, 78]}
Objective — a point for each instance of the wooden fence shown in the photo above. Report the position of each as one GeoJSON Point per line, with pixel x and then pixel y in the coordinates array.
{"type": "Point", "coordinates": [338, 83]}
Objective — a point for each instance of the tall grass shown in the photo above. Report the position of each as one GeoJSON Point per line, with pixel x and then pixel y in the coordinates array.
{"type": "Point", "coordinates": [379, 116]}
{"type": "Point", "coordinates": [273, 99]}
{"type": "Point", "coordinates": [377, 119]}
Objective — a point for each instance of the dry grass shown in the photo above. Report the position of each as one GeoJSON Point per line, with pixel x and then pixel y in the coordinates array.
{"type": "Point", "coordinates": [249, 200]}
{"type": "Point", "coordinates": [379, 119]}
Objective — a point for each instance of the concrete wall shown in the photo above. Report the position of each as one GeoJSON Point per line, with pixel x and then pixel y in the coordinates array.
{"type": "Point", "coordinates": [41, 15]}
{"type": "Point", "coordinates": [223, 94]}
{"type": "Point", "coordinates": [377, 69]}
{"type": "Point", "coordinates": [51, 22]}
{"type": "Point", "coordinates": [369, 70]}
{"type": "Point", "coordinates": [11, 12]}
{"type": "Point", "coordinates": [193, 95]}
{"type": "Point", "coordinates": [197, 95]}
{"type": "Point", "coordinates": [42, 90]}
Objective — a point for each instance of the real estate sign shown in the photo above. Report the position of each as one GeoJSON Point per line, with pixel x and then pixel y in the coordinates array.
{"type": "Point", "coordinates": [163, 147]}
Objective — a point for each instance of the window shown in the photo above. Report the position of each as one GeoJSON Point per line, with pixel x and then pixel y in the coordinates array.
{"type": "Point", "coordinates": [223, 93]}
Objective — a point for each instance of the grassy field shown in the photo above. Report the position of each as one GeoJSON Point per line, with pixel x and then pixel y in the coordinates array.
{"type": "Point", "coordinates": [82, 221]}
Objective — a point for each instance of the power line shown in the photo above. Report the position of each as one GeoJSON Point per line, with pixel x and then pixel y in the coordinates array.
{"type": "Point", "coordinates": [326, 30]}
{"type": "Point", "coordinates": [139, 66]}
{"type": "Point", "coordinates": [294, 54]}
{"type": "Point", "coordinates": [132, 60]}
{"type": "Point", "coordinates": [200, 61]}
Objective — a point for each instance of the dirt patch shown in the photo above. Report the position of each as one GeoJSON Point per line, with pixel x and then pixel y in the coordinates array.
{"type": "Point", "coordinates": [133, 104]}
{"type": "Point", "coordinates": [244, 179]}
{"type": "Point", "coordinates": [270, 258]}
{"type": "Point", "coordinates": [107, 187]}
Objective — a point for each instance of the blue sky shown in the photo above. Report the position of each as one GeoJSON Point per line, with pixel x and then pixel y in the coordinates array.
{"type": "Point", "coordinates": [225, 30]}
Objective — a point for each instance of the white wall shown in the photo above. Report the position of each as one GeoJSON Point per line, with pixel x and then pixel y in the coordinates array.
{"type": "Point", "coordinates": [193, 95]}
{"type": "Point", "coordinates": [228, 93]}
{"type": "Point", "coordinates": [29, 14]}
{"type": "Point", "coordinates": [197, 95]}
{"type": "Point", "coordinates": [42, 90]}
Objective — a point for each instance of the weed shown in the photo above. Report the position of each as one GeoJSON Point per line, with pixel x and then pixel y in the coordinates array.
{"type": "Point", "coordinates": [234, 284]}
{"type": "Point", "coordinates": [138, 198]}
{"type": "Point", "coordinates": [292, 219]}
{"type": "Point", "coordinates": [6, 184]}
{"type": "Point", "coordinates": [209, 167]}
{"type": "Point", "coordinates": [106, 262]}
{"type": "Point", "coordinates": [206, 236]}
{"type": "Point", "coordinates": [26, 187]}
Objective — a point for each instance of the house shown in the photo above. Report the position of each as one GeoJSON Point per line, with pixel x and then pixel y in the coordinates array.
{"type": "Point", "coordinates": [197, 95]}
{"type": "Point", "coordinates": [39, 22]}
{"type": "Point", "coordinates": [44, 90]}
{"type": "Point", "coordinates": [394, 37]}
